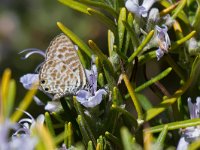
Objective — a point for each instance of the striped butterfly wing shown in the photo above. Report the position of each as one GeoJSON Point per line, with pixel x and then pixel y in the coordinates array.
{"type": "Point", "coordinates": [62, 72]}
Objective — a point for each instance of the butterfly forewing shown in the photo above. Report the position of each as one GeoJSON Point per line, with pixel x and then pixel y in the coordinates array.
{"type": "Point", "coordinates": [62, 72]}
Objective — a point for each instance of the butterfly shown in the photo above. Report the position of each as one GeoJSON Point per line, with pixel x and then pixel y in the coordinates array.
{"type": "Point", "coordinates": [62, 72]}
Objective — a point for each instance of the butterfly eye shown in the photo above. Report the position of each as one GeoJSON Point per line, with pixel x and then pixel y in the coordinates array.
{"type": "Point", "coordinates": [43, 81]}
{"type": "Point", "coordinates": [46, 89]}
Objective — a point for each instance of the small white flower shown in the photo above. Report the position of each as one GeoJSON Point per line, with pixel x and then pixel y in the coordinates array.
{"type": "Point", "coordinates": [53, 106]}
{"type": "Point", "coordinates": [190, 133]}
{"type": "Point", "coordinates": [139, 10]}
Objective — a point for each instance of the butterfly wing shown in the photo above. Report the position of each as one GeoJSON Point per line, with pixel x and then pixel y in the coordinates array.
{"type": "Point", "coordinates": [62, 72]}
{"type": "Point", "coordinates": [61, 48]}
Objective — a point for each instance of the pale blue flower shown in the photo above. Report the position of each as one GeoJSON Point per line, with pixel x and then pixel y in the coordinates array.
{"type": "Point", "coordinates": [91, 97]}
{"type": "Point", "coordinates": [29, 80]}
{"type": "Point", "coordinates": [23, 143]}
{"type": "Point", "coordinates": [21, 139]}
{"type": "Point", "coordinates": [139, 10]}
{"type": "Point", "coordinates": [190, 134]}
{"type": "Point", "coordinates": [90, 100]}
{"type": "Point", "coordinates": [159, 54]}
{"type": "Point", "coordinates": [5, 128]}
{"type": "Point", "coordinates": [163, 41]}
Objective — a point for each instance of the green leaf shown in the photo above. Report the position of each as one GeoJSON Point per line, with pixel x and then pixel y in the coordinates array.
{"type": "Point", "coordinates": [126, 139]}
{"type": "Point", "coordinates": [196, 21]}
{"type": "Point", "coordinates": [84, 133]}
{"type": "Point", "coordinates": [161, 138]}
{"type": "Point", "coordinates": [100, 5]}
{"type": "Point", "coordinates": [133, 97]}
{"type": "Point", "coordinates": [49, 124]}
{"type": "Point", "coordinates": [75, 5]}
{"type": "Point", "coordinates": [174, 125]}
{"type": "Point", "coordinates": [10, 98]}
{"type": "Point", "coordinates": [195, 145]}
{"type": "Point", "coordinates": [70, 140]}
{"type": "Point", "coordinates": [104, 19]}
{"type": "Point", "coordinates": [116, 100]}
{"type": "Point", "coordinates": [24, 104]}
{"type": "Point", "coordinates": [121, 27]}
{"type": "Point", "coordinates": [183, 40]}
{"type": "Point", "coordinates": [58, 117]}
{"type": "Point", "coordinates": [125, 113]}
{"type": "Point", "coordinates": [111, 40]}
{"type": "Point", "coordinates": [113, 139]}
{"type": "Point", "coordinates": [100, 142]}
{"type": "Point", "coordinates": [130, 35]}
{"type": "Point", "coordinates": [179, 8]}
{"type": "Point", "coordinates": [146, 57]}
{"type": "Point", "coordinates": [101, 80]}
{"type": "Point", "coordinates": [144, 102]}
{"type": "Point", "coordinates": [83, 123]}
{"type": "Point", "coordinates": [90, 146]}
{"type": "Point", "coordinates": [75, 39]}
{"type": "Point", "coordinates": [142, 45]}
{"type": "Point", "coordinates": [154, 79]}
{"type": "Point", "coordinates": [180, 15]}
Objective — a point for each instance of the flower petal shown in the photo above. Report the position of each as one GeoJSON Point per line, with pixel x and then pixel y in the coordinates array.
{"type": "Point", "coordinates": [191, 108]}
{"type": "Point", "coordinates": [40, 119]}
{"type": "Point", "coordinates": [159, 54]}
{"type": "Point", "coordinates": [53, 106]}
{"type": "Point", "coordinates": [82, 95]}
{"type": "Point", "coordinates": [29, 79]}
{"type": "Point", "coordinates": [38, 101]}
{"type": "Point", "coordinates": [147, 4]}
{"type": "Point", "coordinates": [182, 144]}
{"type": "Point", "coordinates": [163, 38]}
{"type": "Point", "coordinates": [132, 6]}
{"type": "Point", "coordinates": [94, 100]}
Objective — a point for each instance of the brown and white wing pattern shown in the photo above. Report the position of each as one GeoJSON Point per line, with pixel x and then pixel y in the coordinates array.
{"type": "Point", "coordinates": [62, 72]}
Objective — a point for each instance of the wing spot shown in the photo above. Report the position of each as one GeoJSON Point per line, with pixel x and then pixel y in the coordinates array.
{"type": "Point", "coordinates": [50, 62]}
{"type": "Point", "coordinates": [61, 50]}
{"type": "Point", "coordinates": [60, 56]}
